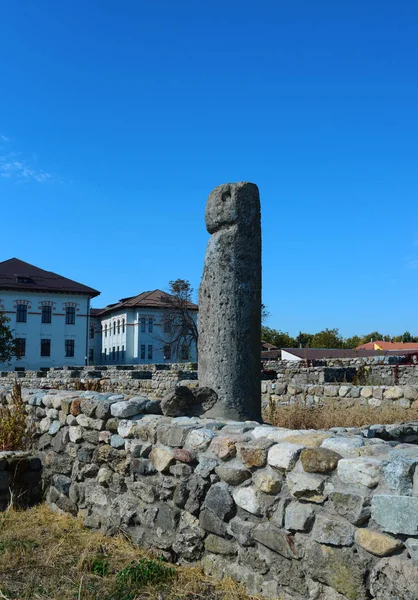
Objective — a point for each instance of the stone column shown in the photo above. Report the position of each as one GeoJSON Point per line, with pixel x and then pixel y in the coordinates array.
{"type": "Point", "coordinates": [230, 302]}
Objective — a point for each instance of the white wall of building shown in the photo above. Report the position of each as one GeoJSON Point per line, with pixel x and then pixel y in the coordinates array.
{"type": "Point", "coordinates": [289, 356]}
{"type": "Point", "coordinates": [33, 331]}
{"type": "Point", "coordinates": [132, 336]}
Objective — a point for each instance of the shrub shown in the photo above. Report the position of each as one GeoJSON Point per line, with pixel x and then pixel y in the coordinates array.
{"type": "Point", "coordinates": [14, 431]}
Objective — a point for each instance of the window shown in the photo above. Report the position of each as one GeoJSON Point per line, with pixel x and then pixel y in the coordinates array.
{"type": "Point", "coordinates": [70, 315]}
{"type": "Point", "coordinates": [69, 348]}
{"type": "Point", "coordinates": [167, 352]}
{"type": "Point", "coordinates": [21, 313]}
{"type": "Point", "coordinates": [123, 353]}
{"type": "Point", "coordinates": [91, 355]}
{"type": "Point", "coordinates": [143, 351]}
{"type": "Point", "coordinates": [46, 347]}
{"type": "Point", "coordinates": [150, 324]}
{"type": "Point", "coordinates": [123, 325]}
{"type": "Point", "coordinates": [150, 352]}
{"type": "Point", "coordinates": [91, 331]}
{"type": "Point", "coordinates": [105, 355]}
{"type": "Point", "coordinates": [21, 346]}
{"type": "Point", "coordinates": [113, 353]}
{"type": "Point", "coordinates": [143, 324]}
{"type": "Point", "coordinates": [105, 330]}
{"type": "Point", "coordinates": [114, 327]}
{"type": "Point", "coordinates": [167, 325]}
{"type": "Point", "coordinates": [117, 354]}
{"type": "Point", "coordinates": [46, 314]}
{"type": "Point", "coordinates": [184, 352]}
{"type": "Point", "coordinates": [118, 326]}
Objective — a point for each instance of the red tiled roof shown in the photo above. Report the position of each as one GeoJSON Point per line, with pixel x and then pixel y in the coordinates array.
{"type": "Point", "coordinates": [389, 345]}
{"type": "Point", "coordinates": [16, 274]}
{"type": "Point", "coordinates": [154, 299]}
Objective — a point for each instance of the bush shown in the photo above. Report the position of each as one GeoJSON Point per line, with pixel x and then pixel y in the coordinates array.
{"type": "Point", "coordinates": [14, 431]}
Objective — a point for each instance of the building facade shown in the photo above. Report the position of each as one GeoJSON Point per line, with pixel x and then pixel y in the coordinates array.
{"type": "Point", "coordinates": [49, 316]}
{"type": "Point", "coordinates": [134, 331]}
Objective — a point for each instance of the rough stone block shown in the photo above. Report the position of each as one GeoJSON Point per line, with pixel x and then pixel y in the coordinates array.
{"type": "Point", "coordinates": [233, 472]}
{"type": "Point", "coordinates": [254, 453]}
{"type": "Point", "coordinates": [359, 471]}
{"type": "Point", "coordinates": [128, 408]}
{"type": "Point", "coordinates": [249, 500]}
{"type": "Point", "coordinates": [220, 502]}
{"type": "Point", "coordinates": [394, 579]}
{"type": "Point", "coordinates": [343, 445]}
{"type": "Point", "coordinates": [377, 543]}
{"type": "Point", "coordinates": [306, 486]}
{"type": "Point", "coordinates": [353, 507]}
{"type": "Point", "coordinates": [333, 531]}
{"type": "Point", "coordinates": [277, 540]}
{"type": "Point", "coordinates": [396, 514]}
{"type": "Point", "coordinates": [267, 481]}
{"type": "Point", "coordinates": [162, 458]}
{"type": "Point", "coordinates": [319, 460]}
{"type": "Point", "coordinates": [284, 456]}
{"type": "Point", "coordinates": [299, 517]}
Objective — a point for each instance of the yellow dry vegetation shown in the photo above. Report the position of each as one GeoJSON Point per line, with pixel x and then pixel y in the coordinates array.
{"type": "Point", "coordinates": [45, 556]}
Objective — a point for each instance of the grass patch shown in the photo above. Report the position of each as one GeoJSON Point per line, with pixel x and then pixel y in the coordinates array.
{"type": "Point", "coordinates": [335, 414]}
{"type": "Point", "coordinates": [14, 431]}
{"type": "Point", "coordinates": [44, 556]}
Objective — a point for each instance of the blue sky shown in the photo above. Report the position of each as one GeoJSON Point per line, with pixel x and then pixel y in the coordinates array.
{"type": "Point", "coordinates": [118, 118]}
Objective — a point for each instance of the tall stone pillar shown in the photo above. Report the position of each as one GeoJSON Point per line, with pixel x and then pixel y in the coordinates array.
{"type": "Point", "coordinates": [230, 302]}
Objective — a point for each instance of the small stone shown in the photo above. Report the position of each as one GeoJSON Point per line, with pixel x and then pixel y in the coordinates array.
{"type": "Point", "coordinates": [224, 446]}
{"type": "Point", "coordinates": [299, 517]}
{"type": "Point", "coordinates": [396, 514]}
{"type": "Point", "coordinates": [412, 547]}
{"type": "Point", "coordinates": [126, 428]}
{"type": "Point", "coordinates": [307, 487]}
{"type": "Point", "coordinates": [353, 507]}
{"type": "Point", "coordinates": [366, 392]}
{"type": "Point", "coordinates": [219, 501]}
{"type": "Point", "coordinates": [254, 453]}
{"type": "Point", "coordinates": [161, 458]}
{"type": "Point", "coordinates": [319, 460]}
{"type": "Point", "coordinates": [284, 456]}
{"type": "Point", "coordinates": [206, 466]}
{"type": "Point", "coordinates": [219, 545]}
{"type": "Point", "coordinates": [343, 445]}
{"type": "Point", "coordinates": [182, 455]}
{"type": "Point", "coordinates": [54, 427]}
{"type": "Point", "coordinates": [247, 499]}
{"type": "Point", "coordinates": [75, 407]}
{"type": "Point", "coordinates": [393, 393]}
{"type": "Point", "coordinates": [242, 531]}
{"type": "Point", "coordinates": [199, 439]}
{"type": "Point", "coordinates": [309, 440]}
{"type": "Point", "coordinates": [410, 393]}
{"type": "Point", "coordinates": [104, 436]}
{"type": "Point", "coordinates": [128, 408]}
{"type": "Point", "coordinates": [267, 481]}
{"type": "Point", "coordinates": [116, 441]}
{"type": "Point", "coordinates": [377, 543]}
{"type": "Point", "coordinates": [329, 530]}
{"type": "Point", "coordinates": [277, 540]}
{"type": "Point", "coordinates": [399, 472]}
{"type": "Point", "coordinates": [363, 471]}
{"type": "Point", "coordinates": [209, 521]}
{"type": "Point", "coordinates": [75, 434]}
{"type": "Point", "coordinates": [233, 473]}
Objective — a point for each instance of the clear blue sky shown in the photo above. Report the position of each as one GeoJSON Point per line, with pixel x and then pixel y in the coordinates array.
{"type": "Point", "coordinates": [118, 118]}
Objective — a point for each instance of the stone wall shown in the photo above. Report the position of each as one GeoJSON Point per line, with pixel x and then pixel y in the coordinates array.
{"type": "Point", "coordinates": [405, 396]}
{"type": "Point", "coordinates": [326, 515]}
{"type": "Point", "coordinates": [20, 479]}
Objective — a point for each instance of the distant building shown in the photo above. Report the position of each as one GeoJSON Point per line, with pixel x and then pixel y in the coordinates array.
{"type": "Point", "coordinates": [49, 315]}
{"type": "Point", "coordinates": [131, 331]}
{"type": "Point", "coordinates": [299, 354]}
{"type": "Point", "coordinates": [381, 345]}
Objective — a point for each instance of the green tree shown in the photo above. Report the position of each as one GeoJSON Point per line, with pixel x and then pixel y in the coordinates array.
{"type": "Point", "coordinates": [352, 342]}
{"type": "Point", "coordinates": [303, 340]}
{"type": "Point", "coordinates": [407, 337]}
{"type": "Point", "coordinates": [328, 338]}
{"type": "Point", "coordinates": [374, 335]}
{"type": "Point", "coordinates": [8, 345]}
{"type": "Point", "coordinates": [277, 338]}
{"type": "Point", "coordinates": [179, 320]}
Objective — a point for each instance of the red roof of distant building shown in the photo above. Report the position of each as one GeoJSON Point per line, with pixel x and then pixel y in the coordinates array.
{"type": "Point", "coordinates": [388, 345]}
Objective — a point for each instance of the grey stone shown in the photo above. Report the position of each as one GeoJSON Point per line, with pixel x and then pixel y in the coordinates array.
{"type": "Point", "coordinates": [394, 579]}
{"type": "Point", "coordinates": [333, 531]}
{"type": "Point", "coordinates": [88, 406]}
{"type": "Point", "coordinates": [219, 545]}
{"type": "Point", "coordinates": [398, 474]}
{"type": "Point", "coordinates": [343, 445]}
{"type": "Point", "coordinates": [242, 531]}
{"type": "Point", "coordinates": [116, 441]}
{"type": "Point", "coordinates": [206, 466]}
{"type": "Point", "coordinates": [412, 547]}
{"type": "Point", "coordinates": [209, 521]}
{"type": "Point", "coordinates": [299, 517]}
{"type": "Point", "coordinates": [220, 502]}
{"type": "Point", "coordinates": [410, 393]}
{"type": "Point", "coordinates": [230, 303]}
{"type": "Point", "coordinates": [128, 408]}
{"type": "Point", "coordinates": [277, 540]}
{"type": "Point", "coordinates": [307, 486]}
{"type": "Point", "coordinates": [233, 473]}
{"type": "Point", "coordinates": [396, 514]}
{"type": "Point", "coordinates": [359, 471]}
{"type": "Point", "coordinates": [353, 507]}
{"type": "Point", "coordinates": [178, 402]}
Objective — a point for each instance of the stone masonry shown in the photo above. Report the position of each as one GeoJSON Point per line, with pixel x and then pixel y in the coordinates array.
{"type": "Point", "coordinates": [300, 515]}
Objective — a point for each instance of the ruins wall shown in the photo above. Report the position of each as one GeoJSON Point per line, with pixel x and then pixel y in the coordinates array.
{"type": "Point", "coordinates": [291, 514]}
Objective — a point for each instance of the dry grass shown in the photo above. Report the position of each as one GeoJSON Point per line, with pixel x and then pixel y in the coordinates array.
{"type": "Point", "coordinates": [335, 414]}
{"type": "Point", "coordinates": [44, 556]}
{"type": "Point", "coordinates": [14, 431]}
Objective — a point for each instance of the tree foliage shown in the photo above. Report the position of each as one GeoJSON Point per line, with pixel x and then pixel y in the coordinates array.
{"type": "Point", "coordinates": [179, 320]}
{"type": "Point", "coordinates": [8, 345]}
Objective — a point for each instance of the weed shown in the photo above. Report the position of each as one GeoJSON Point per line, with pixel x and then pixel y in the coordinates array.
{"type": "Point", "coordinates": [14, 431]}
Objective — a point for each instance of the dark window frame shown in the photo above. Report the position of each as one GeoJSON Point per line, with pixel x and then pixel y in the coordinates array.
{"type": "Point", "coordinates": [69, 348]}
{"type": "Point", "coordinates": [46, 314]}
{"type": "Point", "coordinates": [150, 351]}
{"type": "Point", "coordinates": [21, 313]}
{"type": "Point", "coordinates": [45, 347]}
{"type": "Point", "coordinates": [142, 351]}
{"type": "Point", "coordinates": [20, 347]}
{"type": "Point", "coordinates": [70, 315]}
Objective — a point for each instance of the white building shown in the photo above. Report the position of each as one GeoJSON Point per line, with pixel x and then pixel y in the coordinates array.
{"type": "Point", "coordinates": [49, 315]}
{"type": "Point", "coordinates": [132, 332]}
